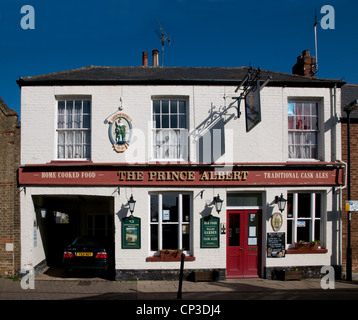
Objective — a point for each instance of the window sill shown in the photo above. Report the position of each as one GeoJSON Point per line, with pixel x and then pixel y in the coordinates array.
{"type": "Point", "coordinates": [169, 161]}
{"type": "Point", "coordinates": [303, 160]}
{"type": "Point", "coordinates": [70, 161]}
{"type": "Point", "coordinates": [171, 258]}
{"type": "Point", "coordinates": [305, 251]}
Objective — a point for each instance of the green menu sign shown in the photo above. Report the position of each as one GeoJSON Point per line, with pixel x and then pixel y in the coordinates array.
{"type": "Point", "coordinates": [210, 227]}
{"type": "Point", "coordinates": [131, 233]}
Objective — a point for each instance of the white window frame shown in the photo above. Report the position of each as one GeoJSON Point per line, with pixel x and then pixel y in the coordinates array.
{"type": "Point", "coordinates": [175, 138]}
{"type": "Point", "coordinates": [302, 131]}
{"type": "Point", "coordinates": [180, 222]}
{"type": "Point", "coordinates": [312, 217]}
{"type": "Point", "coordinates": [66, 131]}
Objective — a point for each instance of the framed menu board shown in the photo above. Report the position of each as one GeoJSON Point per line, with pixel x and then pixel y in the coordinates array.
{"type": "Point", "coordinates": [210, 235]}
{"type": "Point", "coordinates": [131, 233]}
{"type": "Point", "coordinates": [276, 245]}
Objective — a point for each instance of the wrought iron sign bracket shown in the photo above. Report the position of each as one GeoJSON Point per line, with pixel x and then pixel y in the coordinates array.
{"type": "Point", "coordinates": [250, 80]}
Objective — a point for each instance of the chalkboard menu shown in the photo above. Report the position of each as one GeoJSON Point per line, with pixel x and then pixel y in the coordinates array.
{"type": "Point", "coordinates": [131, 233]}
{"type": "Point", "coordinates": [210, 232]}
{"type": "Point", "coordinates": [276, 244]}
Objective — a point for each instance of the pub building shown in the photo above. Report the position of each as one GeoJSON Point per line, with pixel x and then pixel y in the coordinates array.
{"type": "Point", "coordinates": [237, 168]}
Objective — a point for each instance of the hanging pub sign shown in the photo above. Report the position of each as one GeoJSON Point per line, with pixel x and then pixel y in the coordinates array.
{"type": "Point", "coordinates": [210, 227]}
{"type": "Point", "coordinates": [253, 107]}
{"type": "Point", "coordinates": [131, 233]}
{"type": "Point", "coordinates": [120, 131]}
{"type": "Point", "coordinates": [276, 245]}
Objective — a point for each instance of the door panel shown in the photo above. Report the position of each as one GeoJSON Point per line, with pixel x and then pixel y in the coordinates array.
{"type": "Point", "coordinates": [243, 239]}
{"type": "Point", "coordinates": [235, 250]}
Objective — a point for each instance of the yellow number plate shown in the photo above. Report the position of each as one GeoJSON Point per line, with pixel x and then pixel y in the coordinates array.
{"type": "Point", "coordinates": [84, 254]}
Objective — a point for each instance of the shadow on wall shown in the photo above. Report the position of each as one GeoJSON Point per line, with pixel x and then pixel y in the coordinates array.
{"type": "Point", "coordinates": [209, 135]}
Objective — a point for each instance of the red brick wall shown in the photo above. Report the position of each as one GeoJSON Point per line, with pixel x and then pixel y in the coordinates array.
{"type": "Point", "coordinates": [9, 192]}
{"type": "Point", "coordinates": [354, 194]}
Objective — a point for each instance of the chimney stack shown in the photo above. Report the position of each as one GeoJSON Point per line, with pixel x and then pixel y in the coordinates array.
{"type": "Point", "coordinates": [305, 65]}
{"type": "Point", "coordinates": [155, 53]}
{"type": "Point", "coordinates": [145, 59]}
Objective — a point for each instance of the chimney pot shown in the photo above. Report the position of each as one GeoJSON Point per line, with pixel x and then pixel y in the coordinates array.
{"type": "Point", "coordinates": [155, 53]}
{"type": "Point", "coordinates": [145, 59]}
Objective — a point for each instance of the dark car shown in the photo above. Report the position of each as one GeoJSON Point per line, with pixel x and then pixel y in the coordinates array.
{"type": "Point", "coordinates": [87, 253]}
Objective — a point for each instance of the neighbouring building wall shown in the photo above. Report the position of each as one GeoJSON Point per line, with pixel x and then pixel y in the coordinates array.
{"type": "Point", "coordinates": [354, 193]}
{"type": "Point", "coordinates": [350, 93]}
{"type": "Point", "coordinates": [9, 191]}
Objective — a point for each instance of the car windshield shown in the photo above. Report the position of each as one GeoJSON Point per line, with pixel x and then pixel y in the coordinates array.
{"type": "Point", "coordinates": [89, 241]}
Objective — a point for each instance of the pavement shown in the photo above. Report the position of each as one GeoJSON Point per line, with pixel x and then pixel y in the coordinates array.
{"type": "Point", "coordinates": [65, 297]}
{"type": "Point", "coordinates": [49, 287]}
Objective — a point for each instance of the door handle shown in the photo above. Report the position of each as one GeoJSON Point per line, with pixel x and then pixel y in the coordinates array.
{"type": "Point", "coordinates": [241, 249]}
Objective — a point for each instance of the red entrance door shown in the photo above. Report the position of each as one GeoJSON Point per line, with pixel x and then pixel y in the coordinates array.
{"type": "Point", "coordinates": [243, 239]}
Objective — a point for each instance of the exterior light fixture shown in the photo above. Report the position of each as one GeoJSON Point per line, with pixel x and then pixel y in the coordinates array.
{"type": "Point", "coordinates": [43, 213]}
{"type": "Point", "coordinates": [131, 203]}
{"type": "Point", "coordinates": [281, 201]}
{"type": "Point", "coordinates": [218, 203]}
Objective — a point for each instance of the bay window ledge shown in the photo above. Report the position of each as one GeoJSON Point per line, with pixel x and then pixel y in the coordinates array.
{"type": "Point", "coordinates": [170, 255]}
{"type": "Point", "coordinates": [178, 258]}
{"type": "Point", "coordinates": [305, 251]}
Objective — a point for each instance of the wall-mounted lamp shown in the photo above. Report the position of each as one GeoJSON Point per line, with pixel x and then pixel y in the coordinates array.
{"type": "Point", "coordinates": [218, 203]}
{"type": "Point", "coordinates": [281, 201]}
{"type": "Point", "coordinates": [131, 203]}
{"type": "Point", "coordinates": [43, 213]}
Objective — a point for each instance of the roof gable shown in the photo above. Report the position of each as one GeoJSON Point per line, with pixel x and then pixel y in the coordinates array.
{"type": "Point", "coordinates": [6, 110]}
{"type": "Point", "coordinates": [349, 94]}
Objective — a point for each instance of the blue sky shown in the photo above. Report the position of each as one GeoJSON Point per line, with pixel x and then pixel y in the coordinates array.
{"type": "Point", "coordinates": [204, 33]}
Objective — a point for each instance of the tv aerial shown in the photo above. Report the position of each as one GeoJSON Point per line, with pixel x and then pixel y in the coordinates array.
{"type": "Point", "coordinates": [163, 38]}
{"type": "Point", "coordinates": [315, 41]}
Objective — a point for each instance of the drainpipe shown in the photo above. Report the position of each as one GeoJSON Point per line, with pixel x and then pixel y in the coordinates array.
{"type": "Point", "coordinates": [334, 146]}
{"type": "Point", "coordinates": [340, 229]}
{"type": "Point", "coordinates": [340, 257]}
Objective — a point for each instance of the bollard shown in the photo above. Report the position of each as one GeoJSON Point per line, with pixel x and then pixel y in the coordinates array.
{"type": "Point", "coordinates": [179, 294]}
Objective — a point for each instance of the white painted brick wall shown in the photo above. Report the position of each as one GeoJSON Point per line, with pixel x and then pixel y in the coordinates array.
{"type": "Point", "coordinates": [267, 142]}
{"type": "Point", "coordinates": [136, 258]}
{"type": "Point", "coordinates": [205, 258]}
